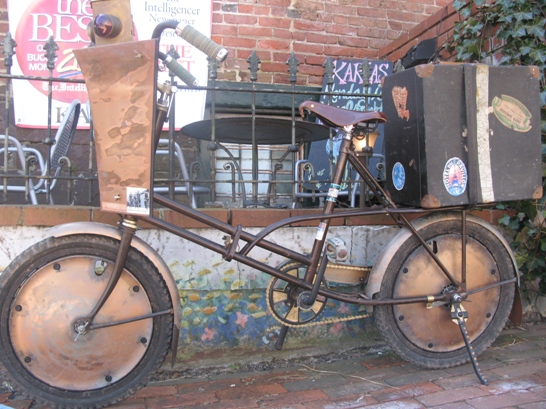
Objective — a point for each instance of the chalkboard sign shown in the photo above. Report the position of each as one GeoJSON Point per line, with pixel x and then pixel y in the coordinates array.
{"type": "Point", "coordinates": [348, 83]}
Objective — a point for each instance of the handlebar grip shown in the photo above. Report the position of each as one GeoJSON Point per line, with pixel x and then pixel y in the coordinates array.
{"type": "Point", "coordinates": [202, 42]}
{"type": "Point", "coordinates": [180, 71]}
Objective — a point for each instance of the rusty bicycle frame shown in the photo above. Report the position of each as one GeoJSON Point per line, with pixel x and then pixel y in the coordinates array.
{"type": "Point", "coordinates": [311, 285]}
{"type": "Point", "coordinates": [88, 276]}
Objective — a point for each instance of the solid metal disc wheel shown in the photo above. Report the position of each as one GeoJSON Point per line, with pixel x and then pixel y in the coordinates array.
{"type": "Point", "coordinates": [282, 298]}
{"type": "Point", "coordinates": [45, 293]}
{"type": "Point", "coordinates": [428, 336]}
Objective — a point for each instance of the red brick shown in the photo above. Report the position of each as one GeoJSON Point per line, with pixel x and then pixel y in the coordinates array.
{"type": "Point", "coordinates": [524, 368]}
{"type": "Point", "coordinates": [504, 400]}
{"type": "Point", "coordinates": [406, 391]}
{"type": "Point", "coordinates": [239, 42]}
{"type": "Point", "coordinates": [260, 10]}
{"type": "Point", "coordinates": [224, 29]}
{"type": "Point", "coordinates": [11, 215]}
{"type": "Point", "coordinates": [244, 8]}
{"type": "Point", "coordinates": [156, 391]}
{"type": "Point", "coordinates": [240, 19]}
{"type": "Point", "coordinates": [189, 222]}
{"type": "Point", "coordinates": [251, 391]}
{"type": "Point", "coordinates": [273, 44]}
{"type": "Point", "coordinates": [255, 31]}
{"type": "Point", "coordinates": [272, 377]}
{"type": "Point", "coordinates": [245, 403]}
{"type": "Point", "coordinates": [274, 22]}
{"type": "Point", "coordinates": [99, 216]}
{"type": "Point", "coordinates": [189, 399]}
{"type": "Point", "coordinates": [291, 398]}
{"type": "Point", "coordinates": [450, 396]}
{"type": "Point", "coordinates": [309, 26]}
{"type": "Point", "coordinates": [321, 38]}
{"type": "Point", "coordinates": [257, 218]}
{"type": "Point", "coordinates": [54, 215]}
{"type": "Point", "coordinates": [348, 402]}
{"type": "Point", "coordinates": [218, 384]}
{"type": "Point", "coordinates": [130, 403]}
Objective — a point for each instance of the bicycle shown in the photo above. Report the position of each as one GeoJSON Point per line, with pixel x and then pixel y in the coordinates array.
{"type": "Point", "coordinates": [89, 314]}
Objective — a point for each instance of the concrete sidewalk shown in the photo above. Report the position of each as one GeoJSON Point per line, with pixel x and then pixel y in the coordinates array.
{"type": "Point", "coordinates": [515, 367]}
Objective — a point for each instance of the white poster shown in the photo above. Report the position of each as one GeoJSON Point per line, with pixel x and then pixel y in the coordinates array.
{"type": "Point", "coordinates": [33, 22]}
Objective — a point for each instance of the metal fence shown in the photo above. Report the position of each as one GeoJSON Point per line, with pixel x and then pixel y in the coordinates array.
{"type": "Point", "coordinates": [252, 150]}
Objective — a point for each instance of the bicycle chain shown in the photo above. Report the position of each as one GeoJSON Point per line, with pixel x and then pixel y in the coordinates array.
{"type": "Point", "coordinates": [321, 322]}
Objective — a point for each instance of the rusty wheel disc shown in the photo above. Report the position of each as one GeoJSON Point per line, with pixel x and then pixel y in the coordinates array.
{"type": "Point", "coordinates": [425, 333]}
{"type": "Point", "coordinates": [49, 304]}
{"type": "Point", "coordinates": [431, 328]}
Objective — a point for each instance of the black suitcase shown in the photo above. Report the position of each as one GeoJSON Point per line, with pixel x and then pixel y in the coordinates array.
{"type": "Point", "coordinates": [462, 134]}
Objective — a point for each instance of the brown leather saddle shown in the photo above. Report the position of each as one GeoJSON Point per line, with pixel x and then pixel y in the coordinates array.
{"type": "Point", "coordinates": [338, 117]}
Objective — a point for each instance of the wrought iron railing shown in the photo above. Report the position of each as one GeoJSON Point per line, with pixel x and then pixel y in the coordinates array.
{"type": "Point", "coordinates": [238, 172]}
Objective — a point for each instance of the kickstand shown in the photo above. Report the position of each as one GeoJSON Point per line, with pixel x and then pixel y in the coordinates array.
{"type": "Point", "coordinates": [459, 316]}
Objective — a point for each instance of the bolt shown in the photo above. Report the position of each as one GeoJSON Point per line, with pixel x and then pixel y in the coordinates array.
{"type": "Point", "coordinates": [401, 318]}
{"type": "Point", "coordinates": [430, 345]}
{"type": "Point", "coordinates": [108, 378]}
{"type": "Point", "coordinates": [56, 266]}
{"type": "Point", "coordinates": [493, 272]}
{"type": "Point", "coordinates": [143, 340]}
{"type": "Point", "coordinates": [27, 359]}
{"type": "Point", "coordinates": [488, 315]}
{"type": "Point", "coordinates": [136, 288]}
{"type": "Point", "coordinates": [405, 270]}
{"type": "Point", "coordinates": [18, 308]}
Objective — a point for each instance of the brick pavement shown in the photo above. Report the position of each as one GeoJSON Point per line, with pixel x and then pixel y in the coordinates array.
{"type": "Point", "coordinates": [515, 367]}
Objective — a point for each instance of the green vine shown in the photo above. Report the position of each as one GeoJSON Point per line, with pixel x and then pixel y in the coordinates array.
{"type": "Point", "coordinates": [511, 32]}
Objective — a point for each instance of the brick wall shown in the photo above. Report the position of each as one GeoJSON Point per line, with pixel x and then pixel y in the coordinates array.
{"type": "Point", "coordinates": [440, 25]}
{"type": "Point", "coordinates": [313, 30]}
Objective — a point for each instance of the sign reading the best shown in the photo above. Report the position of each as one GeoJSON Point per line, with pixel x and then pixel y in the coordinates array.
{"type": "Point", "coordinates": [34, 23]}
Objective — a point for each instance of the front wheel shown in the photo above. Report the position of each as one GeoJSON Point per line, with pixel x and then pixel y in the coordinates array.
{"type": "Point", "coordinates": [44, 295]}
{"type": "Point", "coordinates": [428, 336]}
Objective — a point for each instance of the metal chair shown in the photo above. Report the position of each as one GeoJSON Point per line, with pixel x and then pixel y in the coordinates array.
{"type": "Point", "coordinates": [187, 187]}
{"type": "Point", "coordinates": [49, 168]}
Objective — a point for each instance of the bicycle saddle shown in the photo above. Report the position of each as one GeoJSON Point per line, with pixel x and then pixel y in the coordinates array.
{"type": "Point", "coordinates": [338, 117]}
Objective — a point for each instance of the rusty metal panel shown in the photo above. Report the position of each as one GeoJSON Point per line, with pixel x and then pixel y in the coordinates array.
{"type": "Point", "coordinates": [121, 82]}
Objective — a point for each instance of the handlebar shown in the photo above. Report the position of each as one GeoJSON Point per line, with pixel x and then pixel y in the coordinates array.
{"type": "Point", "coordinates": [194, 37]}
{"type": "Point", "coordinates": [177, 69]}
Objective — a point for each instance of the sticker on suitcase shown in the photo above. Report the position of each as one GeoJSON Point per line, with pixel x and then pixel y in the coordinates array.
{"type": "Point", "coordinates": [455, 176]}
{"type": "Point", "coordinates": [398, 176]}
{"type": "Point", "coordinates": [512, 113]}
{"type": "Point", "coordinates": [400, 98]}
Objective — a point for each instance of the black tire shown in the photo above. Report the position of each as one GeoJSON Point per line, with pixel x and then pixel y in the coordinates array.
{"type": "Point", "coordinates": [429, 337]}
{"type": "Point", "coordinates": [42, 294]}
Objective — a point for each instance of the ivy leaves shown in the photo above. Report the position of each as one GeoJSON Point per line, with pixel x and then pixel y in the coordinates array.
{"type": "Point", "coordinates": [511, 32]}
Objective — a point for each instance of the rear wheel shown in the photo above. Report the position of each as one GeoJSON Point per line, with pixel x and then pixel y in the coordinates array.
{"type": "Point", "coordinates": [47, 290]}
{"type": "Point", "coordinates": [427, 336]}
